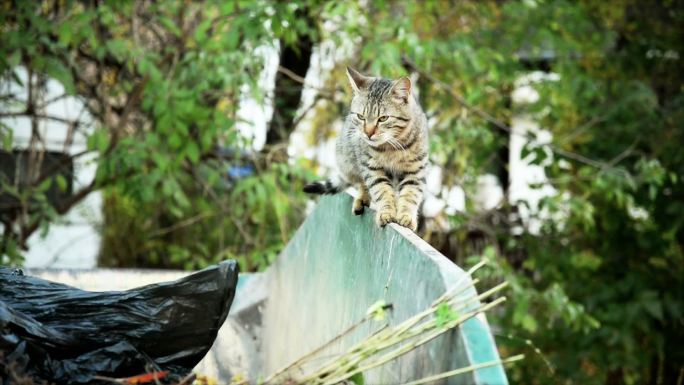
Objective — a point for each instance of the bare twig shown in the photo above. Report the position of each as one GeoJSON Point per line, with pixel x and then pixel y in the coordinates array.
{"type": "Point", "coordinates": [52, 100]}
{"type": "Point", "coordinates": [306, 110]}
{"type": "Point", "coordinates": [467, 369]}
{"type": "Point", "coordinates": [183, 223]}
{"type": "Point", "coordinates": [324, 91]}
{"type": "Point", "coordinates": [35, 115]}
{"type": "Point", "coordinates": [627, 152]}
{"type": "Point", "coordinates": [189, 379]}
{"type": "Point", "coordinates": [291, 75]}
{"type": "Point", "coordinates": [579, 130]}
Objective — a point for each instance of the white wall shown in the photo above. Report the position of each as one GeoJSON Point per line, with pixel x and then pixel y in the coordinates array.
{"type": "Point", "coordinates": [74, 241]}
{"type": "Point", "coordinates": [523, 174]}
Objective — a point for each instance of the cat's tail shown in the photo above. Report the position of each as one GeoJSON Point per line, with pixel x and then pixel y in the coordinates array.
{"type": "Point", "coordinates": [330, 186]}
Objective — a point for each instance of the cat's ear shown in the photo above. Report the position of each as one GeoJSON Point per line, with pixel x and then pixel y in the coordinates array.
{"type": "Point", "coordinates": [358, 81]}
{"type": "Point", "coordinates": [401, 90]}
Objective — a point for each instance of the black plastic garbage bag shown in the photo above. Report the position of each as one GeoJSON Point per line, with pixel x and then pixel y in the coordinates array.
{"type": "Point", "coordinates": [65, 335]}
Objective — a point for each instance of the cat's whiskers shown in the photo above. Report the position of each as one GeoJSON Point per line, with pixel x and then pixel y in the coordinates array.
{"type": "Point", "coordinates": [394, 142]}
{"type": "Point", "coordinates": [391, 143]}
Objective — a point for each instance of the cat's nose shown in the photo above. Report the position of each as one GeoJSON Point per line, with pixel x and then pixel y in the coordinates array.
{"type": "Point", "coordinates": [369, 130]}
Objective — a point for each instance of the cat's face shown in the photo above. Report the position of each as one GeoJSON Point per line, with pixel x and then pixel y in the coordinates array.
{"type": "Point", "coordinates": [380, 108]}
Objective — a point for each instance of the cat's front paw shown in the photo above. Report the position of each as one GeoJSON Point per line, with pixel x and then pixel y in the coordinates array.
{"type": "Point", "coordinates": [408, 220]}
{"type": "Point", "coordinates": [384, 217]}
{"type": "Point", "coordinates": [357, 207]}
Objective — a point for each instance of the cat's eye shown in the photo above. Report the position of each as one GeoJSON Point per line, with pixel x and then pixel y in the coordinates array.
{"type": "Point", "coordinates": [360, 117]}
{"type": "Point", "coordinates": [382, 118]}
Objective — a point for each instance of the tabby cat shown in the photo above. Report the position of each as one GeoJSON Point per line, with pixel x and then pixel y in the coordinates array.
{"type": "Point", "coordinates": [382, 150]}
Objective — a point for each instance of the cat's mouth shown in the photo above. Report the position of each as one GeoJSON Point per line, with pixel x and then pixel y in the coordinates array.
{"type": "Point", "coordinates": [379, 144]}
{"type": "Point", "coordinates": [375, 141]}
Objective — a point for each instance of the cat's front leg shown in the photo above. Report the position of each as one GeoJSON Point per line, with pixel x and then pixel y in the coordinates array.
{"type": "Point", "coordinates": [410, 196]}
{"type": "Point", "coordinates": [362, 200]}
{"type": "Point", "coordinates": [382, 196]}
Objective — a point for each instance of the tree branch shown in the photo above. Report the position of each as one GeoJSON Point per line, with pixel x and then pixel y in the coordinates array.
{"type": "Point", "coordinates": [326, 91]}
{"type": "Point", "coordinates": [502, 126]}
{"type": "Point", "coordinates": [35, 115]}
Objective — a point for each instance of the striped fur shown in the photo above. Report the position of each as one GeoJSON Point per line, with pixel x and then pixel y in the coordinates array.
{"type": "Point", "coordinates": [383, 150]}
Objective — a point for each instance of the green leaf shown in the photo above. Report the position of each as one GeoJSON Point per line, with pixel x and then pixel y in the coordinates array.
{"type": "Point", "coordinates": [232, 38]}
{"type": "Point", "coordinates": [201, 31]}
{"type": "Point", "coordinates": [175, 141]}
{"type": "Point", "coordinates": [529, 323]}
{"type": "Point", "coordinates": [357, 379]}
{"type": "Point", "coordinates": [227, 8]}
{"type": "Point", "coordinates": [193, 152]}
{"type": "Point", "coordinates": [170, 25]}
{"type": "Point", "coordinates": [44, 227]}
{"type": "Point", "coordinates": [445, 314]}
{"type": "Point", "coordinates": [655, 309]}
{"type": "Point", "coordinates": [13, 59]}
{"type": "Point", "coordinates": [7, 139]}
{"type": "Point", "coordinates": [117, 48]}
{"type": "Point", "coordinates": [98, 141]}
{"type": "Point", "coordinates": [61, 182]}
{"type": "Point", "coordinates": [59, 71]}
{"type": "Point", "coordinates": [658, 262]}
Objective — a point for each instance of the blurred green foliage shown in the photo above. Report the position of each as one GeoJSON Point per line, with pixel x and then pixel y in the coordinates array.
{"type": "Point", "coordinates": [162, 81]}
{"type": "Point", "coordinates": [598, 287]}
